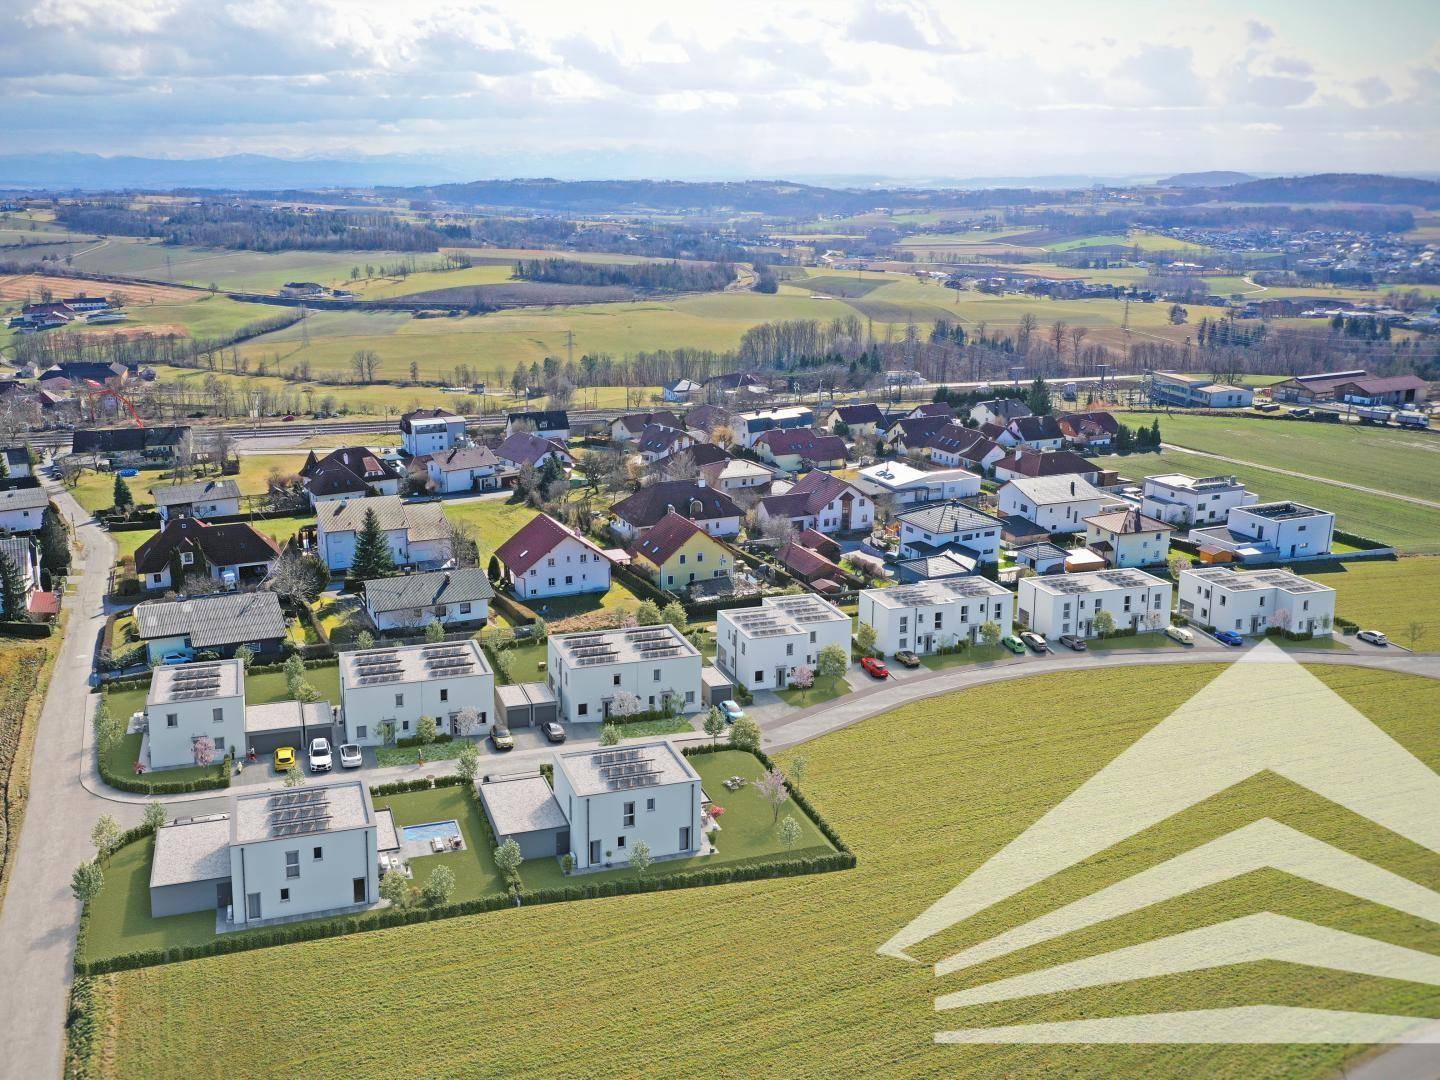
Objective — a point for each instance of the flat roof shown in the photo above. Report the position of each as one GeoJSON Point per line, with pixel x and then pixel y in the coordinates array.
{"type": "Point", "coordinates": [196, 682]}
{"type": "Point", "coordinates": [1191, 483]}
{"type": "Point", "coordinates": [285, 715]}
{"type": "Point", "coordinates": [1095, 581]}
{"type": "Point", "coordinates": [592, 772]}
{"type": "Point", "coordinates": [1223, 577]}
{"type": "Point", "coordinates": [387, 838]}
{"type": "Point", "coordinates": [783, 615]}
{"type": "Point", "coordinates": [628, 646]}
{"type": "Point", "coordinates": [413, 663]}
{"type": "Point", "coordinates": [518, 694]}
{"type": "Point", "coordinates": [191, 849]}
{"type": "Point", "coordinates": [1281, 511]}
{"type": "Point", "coordinates": [955, 590]}
{"type": "Point", "coordinates": [298, 812]}
{"type": "Point", "coordinates": [898, 474]}
{"type": "Point", "coordinates": [521, 804]}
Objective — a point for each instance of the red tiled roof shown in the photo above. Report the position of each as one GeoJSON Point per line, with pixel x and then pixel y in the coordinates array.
{"type": "Point", "coordinates": [805, 562]}
{"type": "Point", "coordinates": [806, 442]}
{"type": "Point", "coordinates": [667, 537]}
{"type": "Point", "coordinates": [809, 496]}
{"type": "Point", "coordinates": [1050, 463]}
{"type": "Point", "coordinates": [536, 539]}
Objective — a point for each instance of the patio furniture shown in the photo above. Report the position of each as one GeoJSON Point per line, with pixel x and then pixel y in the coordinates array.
{"type": "Point", "coordinates": [437, 844]}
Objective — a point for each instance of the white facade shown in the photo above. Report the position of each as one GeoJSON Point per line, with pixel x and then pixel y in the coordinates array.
{"type": "Point", "coordinates": [929, 529]}
{"type": "Point", "coordinates": [1186, 500]}
{"type": "Point", "coordinates": [1132, 538]}
{"type": "Point", "coordinates": [750, 426]}
{"type": "Point", "coordinates": [655, 664]}
{"type": "Point", "coordinates": [1253, 602]}
{"type": "Point", "coordinates": [760, 647]}
{"type": "Point", "coordinates": [1058, 504]}
{"type": "Point", "coordinates": [571, 568]}
{"type": "Point", "coordinates": [738, 474]}
{"type": "Point", "coordinates": [456, 481]}
{"type": "Point", "coordinates": [433, 435]}
{"type": "Point", "coordinates": [204, 509]}
{"type": "Point", "coordinates": [931, 615]}
{"type": "Point", "coordinates": [22, 509]}
{"type": "Point", "coordinates": [386, 691]}
{"type": "Point", "coordinates": [607, 819]}
{"type": "Point", "coordinates": [909, 486]}
{"type": "Point", "coordinates": [1288, 530]}
{"type": "Point", "coordinates": [1068, 603]}
{"type": "Point", "coordinates": [417, 533]}
{"type": "Point", "coordinates": [189, 701]}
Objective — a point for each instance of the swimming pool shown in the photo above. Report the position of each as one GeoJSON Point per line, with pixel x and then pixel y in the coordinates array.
{"type": "Point", "coordinates": [431, 830]}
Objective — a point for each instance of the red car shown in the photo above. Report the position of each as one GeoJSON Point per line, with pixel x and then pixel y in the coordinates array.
{"type": "Point", "coordinates": [875, 667]}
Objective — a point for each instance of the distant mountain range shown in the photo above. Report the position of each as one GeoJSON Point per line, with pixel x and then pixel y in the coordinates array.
{"type": "Point", "coordinates": [1337, 188]}
{"type": "Point", "coordinates": [1215, 178]}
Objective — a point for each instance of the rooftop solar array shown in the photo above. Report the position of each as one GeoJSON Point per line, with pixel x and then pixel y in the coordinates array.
{"type": "Point", "coordinates": [412, 663]}
{"type": "Point", "coordinates": [1095, 581]}
{"type": "Point", "coordinates": [622, 769]}
{"type": "Point", "coordinates": [937, 591]}
{"type": "Point", "coordinates": [297, 813]}
{"type": "Point", "coordinates": [623, 646]}
{"type": "Point", "coordinates": [191, 682]}
{"type": "Point", "coordinates": [1241, 581]}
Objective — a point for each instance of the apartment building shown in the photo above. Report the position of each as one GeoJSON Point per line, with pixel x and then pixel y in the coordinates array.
{"type": "Point", "coordinates": [656, 666]}
{"type": "Point", "coordinates": [1068, 603]}
{"type": "Point", "coordinates": [935, 614]}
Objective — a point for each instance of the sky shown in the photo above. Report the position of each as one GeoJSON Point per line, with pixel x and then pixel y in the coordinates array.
{"type": "Point", "coordinates": [895, 88]}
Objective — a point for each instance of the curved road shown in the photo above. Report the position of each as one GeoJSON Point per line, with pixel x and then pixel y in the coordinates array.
{"type": "Point", "coordinates": [39, 917]}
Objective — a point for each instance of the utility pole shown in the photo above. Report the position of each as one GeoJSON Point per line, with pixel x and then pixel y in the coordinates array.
{"type": "Point", "coordinates": [570, 347]}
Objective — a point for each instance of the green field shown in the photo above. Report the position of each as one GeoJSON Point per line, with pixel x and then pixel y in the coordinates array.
{"type": "Point", "coordinates": [1388, 595]}
{"type": "Point", "coordinates": [690, 981]}
{"type": "Point", "coordinates": [95, 491]}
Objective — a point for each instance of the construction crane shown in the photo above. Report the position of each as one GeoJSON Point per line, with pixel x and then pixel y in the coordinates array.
{"type": "Point", "coordinates": [98, 390]}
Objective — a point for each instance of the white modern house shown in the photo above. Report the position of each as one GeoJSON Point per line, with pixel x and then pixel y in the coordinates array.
{"type": "Point", "coordinates": [1251, 602]}
{"type": "Point", "coordinates": [613, 799]}
{"type": "Point", "coordinates": [187, 702]}
{"type": "Point", "coordinates": [760, 647]}
{"type": "Point", "coordinates": [1266, 531]}
{"type": "Point", "coordinates": [1127, 538]}
{"type": "Point", "coordinates": [1058, 504]}
{"type": "Point", "coordinates": [431, 431]}
{"type": "Point", "coordinates": [1188, 501]}
{"type": "Point", "coordinates": [935, 614]}
{"type": "Point", "coordinates": [1068, 603]}
{"type": "Point", "coordinates": [202, 499]}
{"type": "Point", "coordinates": [22, 509]}
{"type": "Point", "coordinates": [909, 486]}
{"type": "Point", "coordinates": [656, 667]}
{"type": "Point", "coordinates": [463, 469]}
{"type": "Point", "coordinates": [458, 597]}
{"type": "Point", "coordinates": [384, 692]}
{"type": "Point", "coordinates": [276, 855]}
{"type": "Point", "coordinates": [929, 530]}
{"type": "Point", "coordinates": [545, 558]}
{"type": "Point", "coordinates": [418, 533]}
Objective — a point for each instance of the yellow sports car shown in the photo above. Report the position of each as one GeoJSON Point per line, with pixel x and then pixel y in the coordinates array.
{"type": "Point", "coordinates": [285, 759]}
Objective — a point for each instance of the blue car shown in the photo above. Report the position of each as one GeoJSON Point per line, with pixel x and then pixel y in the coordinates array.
{"type": "Point", "coordinates": [1228, 637]}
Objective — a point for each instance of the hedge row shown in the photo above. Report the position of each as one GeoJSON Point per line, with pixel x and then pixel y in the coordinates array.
{"type": "Point", "coordinates": [514, 610]}
{"type": "Point", "coordinates": [642, 586]}
{"type": "Point", "coordinates": [1364, 543]}
{"type": "Point", "coordinates": [142, 784]}
{"type": "Point", "coordinates": [26, 629]}
{"type": "Point", "coordinates": [425, 783]}
{"type": "Point", "coordinates": [415, 740]}
{"type": "Point", "coordinates": [81, 1022]}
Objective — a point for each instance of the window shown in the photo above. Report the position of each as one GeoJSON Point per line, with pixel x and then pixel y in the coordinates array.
{"type": "Point", "coordinates": [361, 731]}
{"type": "Point", "coordinates": [616, 680]}
{"type": "Point", "coordinates": [629, 816]}
{"type": "Point", "coordinates": [699, 556]}
{"type": "Point", "coordinates": [582, 709]}
{"type": "Point", "coordinates": [464, 609]}
{"type": "Point", "coordinates": [252, 905]}
{"type": "Point", "coordinates": [759, 677]}
{"type": "Point", "coordinates": [620, 841]}
{"type": "Point", "coordinates": [682, 559]}
{"type": "Point", "coordinates": [551, 582]}
{"type": "Point", "coordinates": [187, 558]}
{"type": "Point", "coordinates": [657, 674]}
{"type": "Point", "coordinates": [399, 701]}
{"type": "Point", "coordinates": [405, 725]}
{"type": "Point", "coordinates": [444, 695]}
{"type": "Point", "coordinates": [318, 854]}
{"type": "Point", "coordinates": [157, 578]}
{"type": "Point", "coordinates": [689, 697]}
{"type": "Point", "coordinates": [172, 720]}
{"type": "Point", "coordinates": [670, 580]}
{"type": "Point", "coordinates": [292, 864]}
{"type": "Point", "coordinates": [284, 896]}
{"type": "Point", "coordinates": [549, 562]}
{"type": "Point", "coordinates": [790, 649]}
{"type": "Point", "coordinates": [650, 804]}
{"type": "Point", "coordinates": [569, 579]}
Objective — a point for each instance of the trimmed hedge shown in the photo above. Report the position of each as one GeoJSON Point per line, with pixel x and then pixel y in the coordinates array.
{"type": "Point", "coordinates": [26, 629]}
{"type": "Point", "coordinates": [514, 610]}
{"type": "Point", "coordinates": [642, 586]}
{"type": "Point", "coordinates": [414, 740]}
{"type": "Point", "coordinates": [1364, 543]}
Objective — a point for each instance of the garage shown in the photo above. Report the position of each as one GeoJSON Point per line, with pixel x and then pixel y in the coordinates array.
{"type": "Point", "coordinates": [525, 704]}
{"type": "Point", "coordinates": [287, 723]}
{"type": "Point", "coordinates": [714, 686]}
{"type": "Point", "coordinates": [190, 870]}
{"type": "Point", "coordinates": [523, 809]}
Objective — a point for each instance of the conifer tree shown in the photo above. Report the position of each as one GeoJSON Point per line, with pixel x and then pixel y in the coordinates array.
{"type": "Point", "coordinates": [372, 551]}
{"type": "Point", "coordinates": [12, 586]}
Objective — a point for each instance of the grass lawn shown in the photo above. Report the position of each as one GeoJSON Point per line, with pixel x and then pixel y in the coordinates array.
{"type": "Point", "coordinates": [975, 654]}
{"type": "Point", "coordinates": [822, 690]}
{"type": "Point", "coordinates": [523, 663]}
{"type": "Point", "coordinates": [410, 755]}
{"type": "Point", "coordinates": [95, 491]}
{"type": "Point", "coordinates": [474, 868]}
{"type": "Point", "coordinates": [494, 520]}
{"type": "Point", "coordinates": [952, 780]}
{"type": "Point", "coordinates": [646, 729]}
{"type": "Point", "coordinates": [1388, 595]}
{"type": "Point", "coordinates": [120, 919]}
{"type": "Point", "coordinates": [121, 759]}
{"type": "Point", "coordinates": [1133, 641]}
{"type": "Point", "coordinates": [261, 688]}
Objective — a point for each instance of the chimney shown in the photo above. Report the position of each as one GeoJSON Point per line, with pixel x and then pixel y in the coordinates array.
{"type": "Point", "coordinates": [1072, 487]}
{"type": "Point", "coordinates": [700, 481]}
{"type": "Point", "coordinates": [447, 577]}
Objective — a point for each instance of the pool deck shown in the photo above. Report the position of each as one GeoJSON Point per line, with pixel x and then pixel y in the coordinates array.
{"type": "Point", "coordinates": [419, 848]}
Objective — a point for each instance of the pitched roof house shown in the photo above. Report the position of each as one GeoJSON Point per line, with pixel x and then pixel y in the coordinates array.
{"type": "Point", "coordinates": [463, 468]}
{"type": "Point", "coordinates": [444, 596]}
{"type": "Point", "coordinates": [545, 558]}
{"type": "Point", "coordinates": [418, 533]}
{"type": "Point", "coordinates": [712, 510]}
{"type": "Point", "coordinates": [1024, 462]}
{"type": "Point", "coordinates": [657, 441]}
{"type": "Point", "coordinates": [806, 563]}
{"type": "Point", "coordinates": [1096, 430]}
{"type": "Point", "coordinates": [999, 411]}
{"type": "Point", "coordinates": [202, 499]}
{"type": "Point", "coordinates": [821, 502]}
{"type": "Point", "coordinates": [550, 423]}
{"type": "Point", "coordinates": [1040, 432]}
{"type": "Point", "coordinates": [676, 553]}
{"type": "Point", "coordinates": [957, 446]}
{"type": "Point", "coordinates": [348, 472]}
{"type": "Point", "coordinates": [229, 554]}
{"type": "Point", "coordinates": [627, 428]}
{"type": "Point", "coordinates": [522, 448]}
{"type": "Point", "coordinates": [793, 449]}
{"type": "Point", "coordinates": [221, 622]}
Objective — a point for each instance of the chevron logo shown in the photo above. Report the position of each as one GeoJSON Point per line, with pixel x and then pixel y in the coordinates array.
{"type": "Point", "coordinates": [1264, 713]}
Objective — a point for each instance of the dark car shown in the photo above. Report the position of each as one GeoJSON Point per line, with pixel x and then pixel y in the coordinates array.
{"type": "Point", "coordinates": [1228, 637]}
{"type": "Point", "coordinates": [1070, 641]}
{"type": "Point", "coordinates": [553, 731]}
{"type": "Point", "coordinates": [906, 658]}
{"type": "Point", "coordinates": [1034, 640]}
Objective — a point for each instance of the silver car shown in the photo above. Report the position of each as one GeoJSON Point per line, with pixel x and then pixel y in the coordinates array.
{"type": "Point", "coordinates": [351, 756]}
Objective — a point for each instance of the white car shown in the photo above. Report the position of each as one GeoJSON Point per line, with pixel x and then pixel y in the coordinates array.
{"type": "Point", "coordinates": [351, 756]}
{"type": "Point", "coordinates": [319, 755]}
{"type": "Point", "coordinates": [1180, 634]}
{"type": "Point", "coordinates": [1375, 637]}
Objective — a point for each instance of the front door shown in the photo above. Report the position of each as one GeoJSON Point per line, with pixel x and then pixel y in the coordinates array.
{"type": "Point", "coordinates": [224, 895]}
{"type": "Point", "coordinates": [360, 891]}
{"type": "Point", "coordinates": [684, 837]}
{"type": "Point", "coordinates": [594, 852]}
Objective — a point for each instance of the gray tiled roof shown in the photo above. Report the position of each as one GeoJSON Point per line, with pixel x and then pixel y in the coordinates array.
{"type": "Point", "coordinates": [948, 518]}
{"type": "Point", "coordinates": [1047, 490]}
{"type": "Point", "coordinates": [427, 590]}
{"type": "Point", "coordinates": [26, 498]}
{"type": "Point", "coordinates": [180, 494]}
{"type": "Point", "coordinates": [226, 619]}
{"type": "Point", "coordinates": [421, 521]}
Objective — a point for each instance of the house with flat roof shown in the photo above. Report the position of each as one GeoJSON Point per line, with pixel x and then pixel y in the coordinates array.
{"type": "Point", "coordinates": [546, 558]}
{"type": "Point", "coordinates": [615, 798]}
{"type": "Point", "coordinates": [431, 431]}
{"type": "Point", "coordinates": [1260, 532]}
{"type": "Point", "coordinates": [219, 623]}
{"type": "Point", "coordinates": [1127, 538]}
{"type": "Point", "coordinates": [935, 614]}
{"type": "Point", "coordinates": [1068, 603]}
{"type": "Point", "coordinates": [906, 485]}
{"type": "Point", "coordinates": [188, 702]}
{"type": "Point", "coordinates": [1178, 499]}
{"type": "Point", "coordinates": [656, 666]}
{"type": "Point", "coordinates": [202, 499]}
{"type": "Point", "coordinates": [1252, 602]}
{"type": "Point", "coordinates": [1058, 504]}
{"type": "Point", "coordinates": [1180, 390]}
{"type": "Point", "coordinates": [384, 692]}
{"type": "Point", "coordinates": [929, 530]}
{"type": "Point", "coordinates": [524, 809]}
{"type": "Point", "coordinates": [275, 855]}
{"type": "Point", "coordinates": [760, 647]}
{"type": "Point", "coordinates": [418, 533]}
{"type": "Point", "coordinates": [459, 597]}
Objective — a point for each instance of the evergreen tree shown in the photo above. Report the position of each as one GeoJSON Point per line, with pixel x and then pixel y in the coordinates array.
{"type": "Point", "coordinates": [372, 551]}
{"type": "Point", "coordinates": [122, 497]}
{"type": "Point", "coordinates": [1039, 398]}
{"type": "Point", "coordinates": [493, 573]}
{"type": "Point", "coordinates": [1155, 434]}
{"type": "Point", "coordinates": [4, 466]}
{"type": "Point", "coordinates": [12, 586]}
{"type": "Point", "coordinates": [54, 543]}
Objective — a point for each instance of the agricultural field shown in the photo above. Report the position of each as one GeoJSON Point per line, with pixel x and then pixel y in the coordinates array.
{"type": "Point", "coordinates": [1135, 238]}
{"type": "Point", "coordinates": [942, 791]}
{"type": "Point", "coordinates": [1388, 595]}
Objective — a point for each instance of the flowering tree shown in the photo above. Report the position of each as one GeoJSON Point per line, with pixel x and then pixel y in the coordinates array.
{"type": "Point", "coordinates": [467, 720]}
{"type": "Point", "coordinates": [203, 750]}
{"type": "Point", "coordinates": [789, 832]}
{"type": "Point", "coordinates": [624, 704]}
{"type": "Point", "coordinates": [803, 676]}
{"type": "Point", "coordinates": [773, 789]}
{"type": "Point", "coordinates": [640, 859]}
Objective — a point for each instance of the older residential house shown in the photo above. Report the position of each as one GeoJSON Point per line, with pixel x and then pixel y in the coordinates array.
{"type": "Point", "coordinates": [1058, 504]}
{"type": "Point", "coordinates": [658, 442]}
{"type": "Point", "coordinates": [748, 427]}
{"type": "Point", "coordinates": [418, 533]}
{"type": "Point", "coordinates": [999, 411]}
{"type": "Point", "coordinates": [201, 499]}
{"type": "Point", "coordinates": [1093, 432]}
{"type": "Point", "coordinates": [220, 623]}
{"type": "Point", "coordinates": [522, 448]}
{"type": "Point", "coordinates": [350, 472]}
{"type": "Point", "coordinates": [930, 530]}
{"type": "Point", "coordinates": [856, 422]}
{"type": "Point", "coordinates": [1023, 462]}
{"type": "Point", "coordinates": [22, 509]}
{"type": "Point", "coordinates": [413, 601]}
{"type": "Point", "coordinates": [956, 446]}
{"type": "Point", "coordinates": [548, 424]}
{"type": "Point", "coordinates": [713, 510]}
{"type": "Point", "coordinates": [1036, 432]}
{"type": "Point", "coordinates": [821, 502]}
{"type": "Point", "coordinates": [229, 555]}
{"type": "Point", "coordinates": [794, 450]}
{"type": "Point", "coordinates": [545, 558]}
{"type": "Point", "coordinates": [1127, 538]}
{"type": "Point", "coordinates": [463, 469]}
{"type": "Point", "coordinates": [627, 428]}
{"type": "Point", "coordinates": [676, 553]}
{"type": "Point", "coordinates": [733, 475]}
{"type": "Point", "coordinates": [431, 431]}
{"type": "Point", "coordinates": [909, 486]}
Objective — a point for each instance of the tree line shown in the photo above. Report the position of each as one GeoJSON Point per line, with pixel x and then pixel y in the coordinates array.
{"type": "Point", "coordinates": [645, 276]}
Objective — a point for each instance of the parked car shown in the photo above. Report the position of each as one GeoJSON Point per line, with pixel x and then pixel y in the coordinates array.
{"type": "Point", "coordinates": [907, 658]}
{"type": "Point", "coordinates": [351, 756]}
{"type": "Point", "coordinates": [1374, 637]}
{"type": "Point", "coordinates": [730, 709]}
{"type": "Point", "coordinates": [319, 755]}
{"type": "Point", "coordinates": [284, 759]}
{"type": "Point", "coordinates": [172, 658]}
{"type": "Point", "coordinates": [1014, 644]}
{"type": "Point", "coordinates": [1228, 637]}
{"type": "Point", "coordinates": [1180, 634]}
{"type": "Point", "coordinates": [501, 738]}
{"type": "Point", "coordinates": [875, 667]}
{"type": "Point", "coordinates": [1070, 641]}
{"type": "Point", "coordinates": [553, 731]}
{"type": "Point", "coordinates": [1034, 640]}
